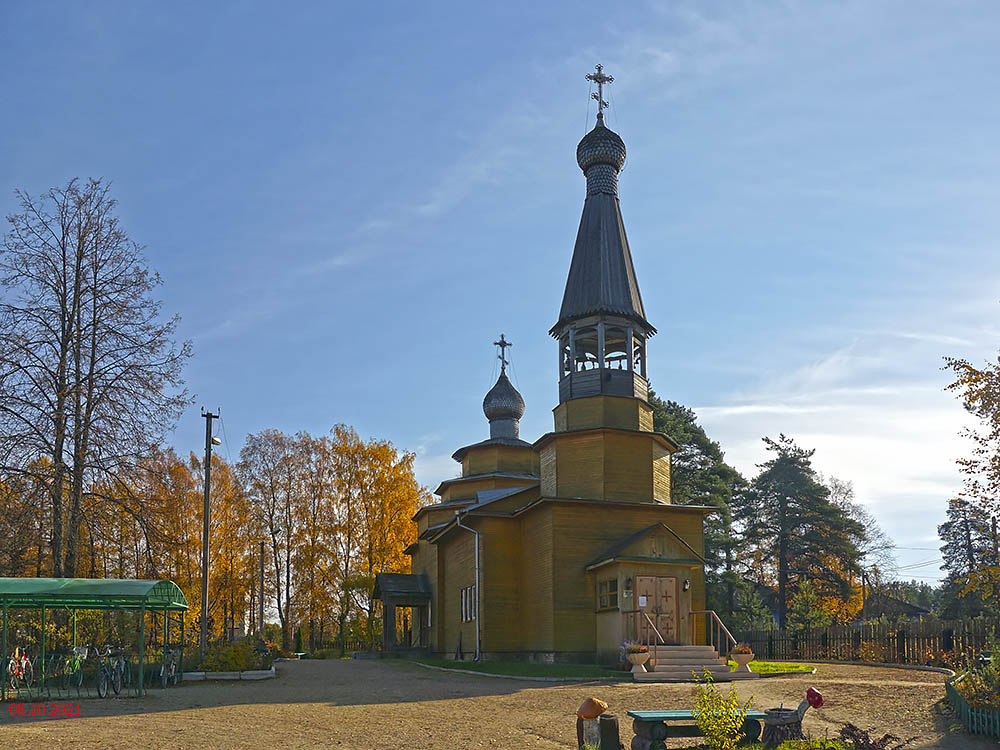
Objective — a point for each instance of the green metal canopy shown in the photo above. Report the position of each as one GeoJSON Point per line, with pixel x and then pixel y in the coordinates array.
{"type": "Point", "coordinates": [91, 593]}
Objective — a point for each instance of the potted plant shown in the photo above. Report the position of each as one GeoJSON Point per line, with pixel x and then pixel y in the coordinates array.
{"type": "Point", "coordinates": [637, 655]}
{"type": "Point", "coordinates": [742, 654]}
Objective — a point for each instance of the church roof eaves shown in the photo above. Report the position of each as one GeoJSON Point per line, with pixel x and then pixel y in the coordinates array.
{"type": "Point", "coordinates": [705, 509]}
{"type": "Point", "coordinates": [664, 440]}
{"type": "Point", "coordinates": [511, 442]}
{"type": "Point", "coordinates": [502, 474]}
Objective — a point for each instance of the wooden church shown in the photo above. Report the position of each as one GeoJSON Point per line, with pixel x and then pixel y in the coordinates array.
{"type": "Point", "coordinates": [562, 549]}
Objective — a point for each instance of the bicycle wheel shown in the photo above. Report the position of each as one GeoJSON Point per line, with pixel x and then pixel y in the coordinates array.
{"type": "Point", "coordinates": [12, 673]}
{"type": "Point", "coordinates": [78, 679]}
{"type": "Point", "coordinates": [29, 674]}
{"type": "Point", "coordinates": [173, 675]}
{"type": "Point", "coordinates": [126, 673]}
{"type": "Point", "coordinates": [116, 681]}
{"type": "Point", "coordinates": [102, 683]}
{"type": "Point", "coordinates": [163, 676]}
{"type": "Point", "coordinates": [67, 675]}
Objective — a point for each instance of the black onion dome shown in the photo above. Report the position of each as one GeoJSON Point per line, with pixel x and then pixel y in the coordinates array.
{"type": "Point", "coordinates": [503, 401]}
{"type": "Point", "coordinates": [601, 146]}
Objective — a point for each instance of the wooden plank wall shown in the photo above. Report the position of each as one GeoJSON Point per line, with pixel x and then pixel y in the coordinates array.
{"type": "Point", "coordinates": [536, 579]}
{"type": "Point", "coordinates": [455, 573]}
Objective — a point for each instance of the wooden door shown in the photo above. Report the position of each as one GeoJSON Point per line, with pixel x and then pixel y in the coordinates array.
{"type": "Point", "coordinates": [656, 596]}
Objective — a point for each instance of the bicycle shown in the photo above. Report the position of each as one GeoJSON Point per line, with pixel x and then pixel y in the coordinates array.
{"type": "Point", "coordinates": [168, 671]}
{"type": "Point", "coordinates": [20, 670]}
{"type": "Point", "coordinates": [72, 670]}
{"type": "Point", "coordinates": [107, 675]}
{"type": "Point", "coordinates": [122, 665]}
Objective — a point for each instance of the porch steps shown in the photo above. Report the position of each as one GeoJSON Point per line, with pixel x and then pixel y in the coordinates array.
{"type": "Point", "coordinates": [676, 663]}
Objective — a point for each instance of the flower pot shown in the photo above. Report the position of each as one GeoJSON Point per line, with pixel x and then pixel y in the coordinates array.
{"type": "Point", "coordinates": [742, 661]}
{"type": "Point", "coordinates": [637, 660]}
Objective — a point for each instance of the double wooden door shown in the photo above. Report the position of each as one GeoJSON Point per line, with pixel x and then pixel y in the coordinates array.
{"type": "Point", "coordinates": [656, 597]}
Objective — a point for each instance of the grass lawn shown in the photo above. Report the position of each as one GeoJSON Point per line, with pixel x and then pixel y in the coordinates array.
{"type": "Point", "coordinates": [527, 669]}
{"type": "Point", "coordinates": [765, 667]}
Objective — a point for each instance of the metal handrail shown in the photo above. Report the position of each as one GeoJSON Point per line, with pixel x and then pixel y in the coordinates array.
{"type": "Point", "coordinates": [720, 629]}
{"type": "Point", "coordinates": [652, 627]}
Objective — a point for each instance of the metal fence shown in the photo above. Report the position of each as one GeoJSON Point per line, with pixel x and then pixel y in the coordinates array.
{"type": "Point", "coordinates": [975, 719]}
{"type": "Point", "coordinates": [938, 642]}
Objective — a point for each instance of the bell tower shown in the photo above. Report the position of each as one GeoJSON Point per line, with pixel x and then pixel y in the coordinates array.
{"type": "Point", "coordinates": [602, 333]}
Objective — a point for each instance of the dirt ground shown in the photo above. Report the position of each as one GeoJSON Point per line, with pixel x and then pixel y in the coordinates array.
{"type": "Point", "coordinates": [389, 704]}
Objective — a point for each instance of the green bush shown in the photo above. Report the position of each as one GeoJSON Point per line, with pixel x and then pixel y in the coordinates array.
{"type": "Point", "coordinates": [821, 744]}
{"type": "Point", "coordinates": [238, 656]}
{"type": "Point", "coordinates": [325, 653]}
{"type": "Point", "coordinates": [720, 717]}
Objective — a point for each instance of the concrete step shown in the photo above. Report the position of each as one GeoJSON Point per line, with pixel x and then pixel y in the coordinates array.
{"type": "Point", "coordinates": [687, 668]}
{"type": "Point", "coordinates": [688, 661]}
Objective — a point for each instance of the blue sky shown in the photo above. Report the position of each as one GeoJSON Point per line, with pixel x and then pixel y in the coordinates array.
{"type": "Point", "coordinates": [349, 202]}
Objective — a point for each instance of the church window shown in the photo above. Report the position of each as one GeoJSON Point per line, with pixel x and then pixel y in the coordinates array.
{"type": "Point", "coordinates": [470, 604]}
{"type": "Point", "coordinates": [607, 594]}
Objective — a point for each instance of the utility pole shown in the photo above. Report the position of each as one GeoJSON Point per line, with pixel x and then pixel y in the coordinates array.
{"type": "Point", "coordinates": [260, 622]}
{"type": "Point", "coordinates": [209, 440]}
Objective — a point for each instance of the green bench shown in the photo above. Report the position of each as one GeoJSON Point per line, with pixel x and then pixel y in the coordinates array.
{"type": "Point", "coordinates": [653, 727]}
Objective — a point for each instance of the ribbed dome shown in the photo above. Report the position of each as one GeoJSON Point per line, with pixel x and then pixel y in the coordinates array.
{"type": "Point", "coordinates": [503, 401]}
{"type": "Point", "coordinates": [601, 146]}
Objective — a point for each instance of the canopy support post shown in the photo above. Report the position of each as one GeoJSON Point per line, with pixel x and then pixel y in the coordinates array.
{"type": "Point", "coordinates": [43, 648]}
{"type": "Point", "coordinates": [3, 662]}
{"type": "Point", "coordinates": [142, 648]}
{"type": "Point", "coordinates": [180, 657]}
{"type": "Point", "coordinates": [74, 628]}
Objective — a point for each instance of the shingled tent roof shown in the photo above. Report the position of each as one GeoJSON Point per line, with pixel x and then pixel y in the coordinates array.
{"type": "Point", "coordinates": [601, 275]}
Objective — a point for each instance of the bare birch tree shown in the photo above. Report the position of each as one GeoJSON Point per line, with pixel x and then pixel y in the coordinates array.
{"type": "Point", "coordinates": [90, 373]}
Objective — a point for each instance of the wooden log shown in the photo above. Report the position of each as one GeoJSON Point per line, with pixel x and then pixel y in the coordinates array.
{"type": "Point", "coordinates": [610, 738]}
{"type": "Point", "coordinates": [751, 731]}
{"type": "Point", "coordinates": [641, 743]}
{"type": "Point", "coordinates": [650, 730]}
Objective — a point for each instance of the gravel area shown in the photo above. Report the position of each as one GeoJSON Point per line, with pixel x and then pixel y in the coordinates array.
{"type": "Point", "coordinates": [389, 704]}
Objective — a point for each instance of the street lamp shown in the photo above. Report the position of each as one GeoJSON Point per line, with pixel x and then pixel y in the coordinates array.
{"type": "Point", "coordinates": [210, 440]}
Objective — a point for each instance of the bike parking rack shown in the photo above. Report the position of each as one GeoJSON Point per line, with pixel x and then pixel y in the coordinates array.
{"type": "Point", "coordinates": [74, 594]}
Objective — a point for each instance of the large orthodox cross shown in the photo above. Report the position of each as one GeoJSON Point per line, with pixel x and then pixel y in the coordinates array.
{"type": "Point", "coordinates": [503, 344]}
{"type": "Point", "coordinates": [600, 79]}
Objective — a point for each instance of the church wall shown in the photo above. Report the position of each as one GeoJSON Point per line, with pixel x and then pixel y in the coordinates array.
{"type": "Point", "coordinates": [628, 465]}
{"type": "Point", "coordinates": [505, 458]}
{"type": "Point", "coordinates": [464, 490]}
{"type": "Point", "coordinates": [547, 462]}
{"type": "Point", "coordinates": [501, 574]}
{"type": "Point", "coordinates": [579, 465]}
{"type": "Point", "coordinates": [456, 571]}
{"type": "Point", "coordinates": [581, 532]}
{"type": "Point", "coordinates": [536, 580]}
{"type": "Point", "coordinates": [661, 473]}
{"type": "Point", "coordinates": [425, 560]}
{"type": "Point", "coordinates": [603, 411]}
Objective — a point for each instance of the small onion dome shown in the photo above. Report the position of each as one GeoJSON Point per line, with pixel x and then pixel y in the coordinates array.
{"type": "Point", "coordinates": [601, 146]}
{"type": "Point", "coordinates": [503, 401]}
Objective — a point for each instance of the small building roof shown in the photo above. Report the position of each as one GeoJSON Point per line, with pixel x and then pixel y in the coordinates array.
{"type": "Point", "coordinates": [91, 593]}
{"type": "Point", "coordinates": [400, 587]}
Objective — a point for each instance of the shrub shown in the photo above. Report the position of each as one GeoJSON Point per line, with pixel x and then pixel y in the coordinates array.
{"type": "Point", "coordinates": [238, 656]}
{"type": "Point", "coordinates": [820, 744]}
{"type": "Point", "coordinates": [720, 717]}
{"type": "Point", "coordinates": [325, 653]}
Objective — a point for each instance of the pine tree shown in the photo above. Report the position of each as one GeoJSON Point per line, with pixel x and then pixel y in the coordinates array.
{"type": "Point", "coordinates": [793, 530]}
{"type": "Point", "coordinates": [965, 536]}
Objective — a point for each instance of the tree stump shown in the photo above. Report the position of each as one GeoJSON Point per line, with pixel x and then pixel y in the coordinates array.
{"type": "Point", "coordinates": [781, 724]}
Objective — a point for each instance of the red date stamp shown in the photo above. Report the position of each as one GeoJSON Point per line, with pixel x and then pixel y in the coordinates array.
{"type": "Point", "coordinates": [44, 709]}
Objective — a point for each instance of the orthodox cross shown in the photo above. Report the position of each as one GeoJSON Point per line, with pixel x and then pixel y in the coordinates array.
{"type": "Point", "coordinates": [503, 344]}
{"type": "Point", "coordinates": [600, 79]}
